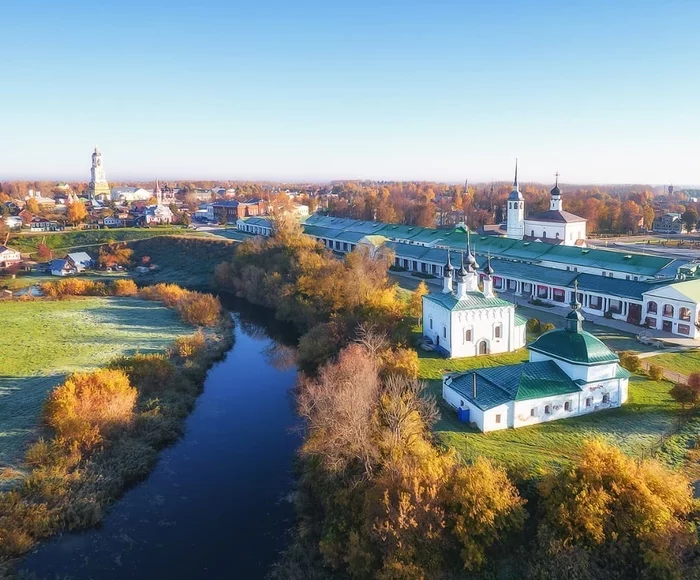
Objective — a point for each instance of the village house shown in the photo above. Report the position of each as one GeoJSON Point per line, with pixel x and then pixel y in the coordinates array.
{"type": "Point", "coordinates": [40, 224]}
{"type": "Point", "coordinates": [80, 261]}
{"type": "Point", "coordinates": [62, 268]}
{"type": "Point", "coordinates": [9, 257]}
{"type": "Point", "coordinates": [570, 373]}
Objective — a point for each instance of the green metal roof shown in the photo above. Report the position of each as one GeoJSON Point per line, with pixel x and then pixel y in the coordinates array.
{"type": "Point", "coordinates": [525, 381]}
{"type": "Point", "coordinates": [520, 319]}
{"type": "Point", "coordinates": [471, 301]}
{"type": "Point", "coordinates": [576, 347]}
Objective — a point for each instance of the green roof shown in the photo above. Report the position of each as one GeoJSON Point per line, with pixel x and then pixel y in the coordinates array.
{"type": "Point", "coordinates": [520, 319]}
{"type": "Point", "coordinates": [525, 381]}
{"type": "Point", "coordinates": [576, 347]}
{"type": "Point", "coordinates": [471, 301]}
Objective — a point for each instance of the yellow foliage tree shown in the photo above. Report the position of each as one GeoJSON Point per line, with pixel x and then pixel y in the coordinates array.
{"type": "Point", "coordinates": [77, 212]}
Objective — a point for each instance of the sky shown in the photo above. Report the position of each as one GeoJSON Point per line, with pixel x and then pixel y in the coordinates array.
{"type": "Point", "coordinates": [600, 91]}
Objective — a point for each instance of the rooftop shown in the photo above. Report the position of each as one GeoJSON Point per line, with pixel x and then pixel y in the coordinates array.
{"type": "Point", "coordinates": [580, 348]}
{"type": "Point", "coordinates": [472, 301]}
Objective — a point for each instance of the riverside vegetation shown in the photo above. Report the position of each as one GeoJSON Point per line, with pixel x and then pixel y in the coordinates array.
{"type": "Point", "coordinates": [104, 428]}
{"type": "Point", "coordinates": [378, 497]}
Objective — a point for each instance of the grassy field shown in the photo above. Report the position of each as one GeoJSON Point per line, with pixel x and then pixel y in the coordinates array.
{"type": "Point", "coordinates": [57, 241]}
{"type": "Point", "coordinates": [42, 341]}
{"type": "Point", "coordinates": [637, 427]}
{"type": "Point", "coordinates": [684, 363]}
{"type": "Point", "coordinates": [23, 280]}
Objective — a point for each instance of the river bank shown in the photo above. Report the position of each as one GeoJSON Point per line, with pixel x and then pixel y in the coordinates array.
{"type": "Point", "coordinates": [215, 505]}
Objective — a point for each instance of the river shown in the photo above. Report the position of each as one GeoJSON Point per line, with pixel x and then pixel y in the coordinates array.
{"type": "Point", "coordinates": [215, 505]}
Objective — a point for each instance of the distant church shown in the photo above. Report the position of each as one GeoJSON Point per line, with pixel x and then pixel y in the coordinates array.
{"type": "Point", "coordinates": [98, 188]}
{"type": "Point", "coordinates": [570, 373]}
{"type": "Point", "coordinates": [465, 321]}
{"type": "Point", "coordinates": [554, 226]}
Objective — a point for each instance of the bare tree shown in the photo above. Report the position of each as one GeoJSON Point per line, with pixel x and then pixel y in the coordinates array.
{"type": "Point", "coordinates": [372, 339]}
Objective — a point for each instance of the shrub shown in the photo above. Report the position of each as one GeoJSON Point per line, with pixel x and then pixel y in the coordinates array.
{"type": "Point", "coordinates": [401, 361]}
{"type": "Point", "coordinates": [630, 361]}
{"type": "Point", "coordinates": [547, 327]}
{"type": "Point", "coordinates": [189, 346]}
{"type": "Point", "coordinates": [125, 288]}
{"type": "Point", "coordinates": [149, 373]}
{"type": "Point", "coordinates": [199, 309]}
{"type": "Point", "coordinates": [168, 294]}
{"type": "Point", "coordinates": [656, 373]}
{"type": "Point", "coordinates": [686, 395]}
{"type": "Point", "coordinates": [534, 326]}
{"type": "Point", "coordinates": [89, 405]}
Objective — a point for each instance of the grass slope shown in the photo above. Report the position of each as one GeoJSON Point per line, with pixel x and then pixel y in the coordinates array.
{"type": "Point", "coordinates": [637, 427]}
{"type": "Point", "coordinates": [42, 341]}
{"type": "Point", "coordinates": [28, 243]}
{"type": "Point", "coordinates": [189, 262]}
{"type": "Point", "coordinates": [684, 363]}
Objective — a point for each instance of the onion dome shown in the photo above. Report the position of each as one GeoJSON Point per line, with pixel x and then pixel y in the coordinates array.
{"type": "Point", "coordinates": [488, 270]}
{"type": "Point", "coordinates": [555, 191]}
{"type": "Point", "coordinates": [448, 269]}
{"type": "Point", "coordinates": [462, 272]}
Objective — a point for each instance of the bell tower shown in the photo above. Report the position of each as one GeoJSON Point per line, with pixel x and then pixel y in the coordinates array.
{"type": "Point", "coordinates": [515, 207]}
{"type": "Point", "coordinates": [98, 182]}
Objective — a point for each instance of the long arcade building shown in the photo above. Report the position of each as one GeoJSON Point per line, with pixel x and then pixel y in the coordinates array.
{"type": "Point", "coordinates": [662, 293]}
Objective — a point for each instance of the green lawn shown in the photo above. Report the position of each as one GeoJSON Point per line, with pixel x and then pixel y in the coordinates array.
{"type": "Point", "coordinates": [42, 341]}
{"type": "Point", "coordinates": [433, 366]}
{"type": "Point", "coordinates": [684, 363]}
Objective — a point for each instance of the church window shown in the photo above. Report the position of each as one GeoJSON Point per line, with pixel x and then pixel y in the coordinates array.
{"type": "Point", "coordinates": [651, 307]}
{"type": "Point", "coordinates": [461, 402]}
{"type": "Point", "coordinates": [683, 329]}
{"type": "Point", "coordinates": [468, 335]}
{"type": "Point", "coordinates": [497, 331]}
{"type": "Point", "coordinates": [532, 233]}
{"type": "Point", "coordinates": [444, 332]}
{"type": "Point", "coordinates": [544, 234]}
{"type": "Point", "coordinates": [606, 398]}
{"type": "Point", "coordinates": [589, 401]}
{"type": "Point", "coordinates": [567, 406]}
{"type": "Point", "coordinates": [431, 324]}
{"type": "Point", "coordinates": [533, 411]}
{"type": "Point", "coordinates": [547, 410]}
{"type": "Point", "coordinates": [557, 235]}
{"type": "Point", "coordinates": [684, 314]}
{"type": "Point", "coordinates": [498, 418]}
{"type": "Point", "coordinates": [521, 205]}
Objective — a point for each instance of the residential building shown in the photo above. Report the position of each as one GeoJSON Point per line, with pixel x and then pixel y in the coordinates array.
{"type": "Point", "coordinates": [130, 194]}
{"type": "Point", "coordinates": [255, 225]}
{"type": "Point", "coordinates": [9, 257]}
{"type": "Point", "coordinates": [80, 261]}
{"type": "Point", "coordinates": [62, 268]}
{"type": "Point", "coordinates": [668, 223]}
{"type": "Point", "coordinates": [232, 210]}
{"type": "Point", "coordinates": [570, 373]}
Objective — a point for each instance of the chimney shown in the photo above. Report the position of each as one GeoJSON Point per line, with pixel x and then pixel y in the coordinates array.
{"type": "Point", "coordinates": [474, 386]}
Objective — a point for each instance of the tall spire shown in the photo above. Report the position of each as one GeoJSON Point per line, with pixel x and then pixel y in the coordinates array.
{"type": "Point", "coordinates": [515, 181]}
{"type": "Point", "coordinates": [574, 320]}
{"type": "Point", "coordinates": [156, 192]}
{"type": "Point", "coordinates": [556, 176]}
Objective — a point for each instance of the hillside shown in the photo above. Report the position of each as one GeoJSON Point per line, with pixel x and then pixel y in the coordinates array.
{"type": "Point", "coordinates": [183, 260]}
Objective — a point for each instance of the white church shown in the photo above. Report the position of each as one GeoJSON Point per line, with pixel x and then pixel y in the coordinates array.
{"type": "Point", "coordinates": [465, 321]}
{"type": "Point", "coordinates": [570, 373]}
{"type": "Point", "coordinates": [554, 226]}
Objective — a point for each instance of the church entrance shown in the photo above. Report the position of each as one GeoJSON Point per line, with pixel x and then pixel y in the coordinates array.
{"type": "Point", "coordinates": [482, 348]}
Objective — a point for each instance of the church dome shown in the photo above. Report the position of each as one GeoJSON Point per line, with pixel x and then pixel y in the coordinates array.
{"type": "Point", "coordinates": [488, 270]}
{"type": "Point", "coordinates": [555, 191]}
{"type": "Point", "coordinates": [515, 195]}
{"type": "Point", "coordinates": [575, 347]}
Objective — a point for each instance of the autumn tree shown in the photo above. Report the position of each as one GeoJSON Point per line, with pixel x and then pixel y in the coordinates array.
{"type": "Point", "coordinates": [690, 219]}
{"type": "Point", "coordinates": [115, 254]}
{"type": "Point", "coordinates": [415, 305]}
{"type": "Point", "coordinates": [32, 206]}
{"type": "Point", "coordinates": [688, 394]}
{"type": "Point", "coordinates": [77, 212]}
{"type": "Point", "coordinates": [617, 517]}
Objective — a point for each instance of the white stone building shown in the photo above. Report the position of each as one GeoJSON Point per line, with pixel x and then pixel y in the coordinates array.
{"type": "Point", "coordinates": [466, 321]}
{"type": "Point", "coordinates": [570, 373]}
{"type": "Point", "coordinates": [554, 226]}
{"type": "Point", "coordinates": [98, 187]}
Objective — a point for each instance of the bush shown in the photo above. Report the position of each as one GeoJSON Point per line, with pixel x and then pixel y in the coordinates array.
{"type": "Point", "coordinates": [189, 346]}
{"type": "Point", "coordinates": [125, 287]}
{"type": "Point", "coordinates": [168, 294]}
{"type": "Point", "coordinates": [656, 373]}
{"type": "Point", "coordinates": [199, 309]}
{"type": "Point", "coordinates": [547, 327]}
{"type": "Point", "coordinates": [401, 361]}
{"type": "Point", "coordinates": [73, 287]}
{"type": "Point", "coordinates": [630, 361]}
{"type": "Point", "coordinates": [149, 373]}
{"type": "Point", "coordinates": [534, 326]}
{"type": "Point", "coordinates": [89, 405]}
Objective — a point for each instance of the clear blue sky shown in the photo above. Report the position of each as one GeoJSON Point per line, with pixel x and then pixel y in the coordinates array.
{"type": "Point", "coordinates": [389, 89]}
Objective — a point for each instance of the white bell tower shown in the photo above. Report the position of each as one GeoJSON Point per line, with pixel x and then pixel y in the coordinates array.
{"type": "Point", "coordinates": [516, 210]}
{"type": "Point", "coordinates": [555, 203]}
{"type": "Point", "coordinates": [98, 182]}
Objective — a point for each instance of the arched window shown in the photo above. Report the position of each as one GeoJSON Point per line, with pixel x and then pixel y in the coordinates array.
{"type": "Point", "coordinates": [547, 410]}
{"type": "Point", "coordinates": [544, 234]}
{"type": "Point", "coordinates": [684, 314]}
{"type": "Point", "coordinates": [532, 233]}
{"type": "Point", "coordinates": [668, 310]}
{"type": "Point", "coordinates": [468, 335]}
{"type": "Point", "coordinates": [652, 307]}
{"type": "Point", "coordinates": [497, 331]}
{"type": "Point", "coordinates": [556, 235]}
